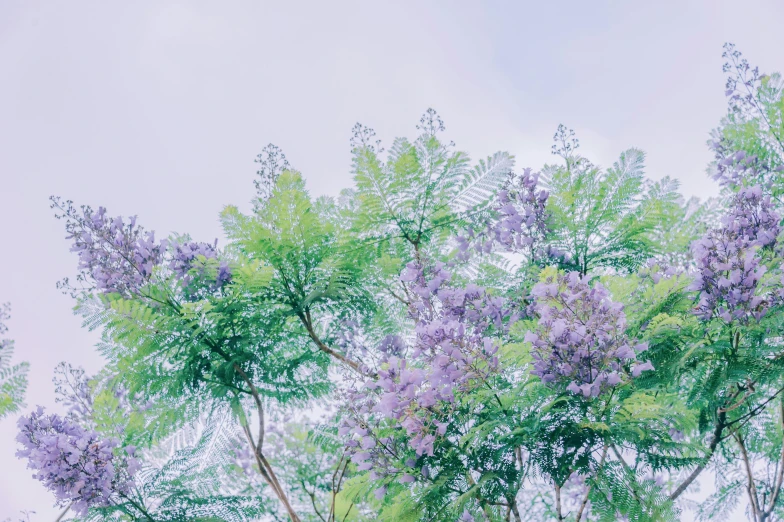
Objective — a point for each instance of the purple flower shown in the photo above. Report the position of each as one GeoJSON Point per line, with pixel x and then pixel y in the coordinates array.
{"type": "Point", "coordinates": [637, 369]}
{"type": "Point", "coordinates": [407, 479]}
{"type": "Point", "coordinates": [581, 339]}
{"type": "Point", "coordinates": [454, 351]}
{"type": "Point", "coordinates": [519, 223]}
{"type": "Point", "coordinates": [117, 257]}
{"type": "Point", "coordinates": [189, 264]}
{"type": "Point", "coordinates": [728, 262]}
{"type": "Point", "coordinates": [466, 517]}
{"type": "Point", "coordinates": [77, 465]}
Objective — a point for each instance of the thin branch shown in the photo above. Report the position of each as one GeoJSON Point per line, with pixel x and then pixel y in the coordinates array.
{"type": "Point", "coordinates": [137, 506]}
{"type": "Point", "coordinates": [584, 503]}
{"type": "Point", "coordinates": [259, 405]}
{"type": "Point", "coordinates": [779, 474]}
{"type": "Point", "coordinates": [514, 510]}
{"type": "Point", "coordinates": [629, 470]}
{"type": "Point", "coordinates": [751, 488]}
{"type": "Point", "coordinates": [266, 470]}
{"type": "Point", "coordinates": [312, 500]}
{"type": "Point", "coordinates": [60, 517]}
{"type": "Point", "coordinates": [306, 321]}
{"type": "Point", "coordinates": [715, 439]}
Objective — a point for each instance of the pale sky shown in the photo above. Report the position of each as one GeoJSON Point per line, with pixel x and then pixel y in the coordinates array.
{"type": "Point", "coordinates": [159, 108]}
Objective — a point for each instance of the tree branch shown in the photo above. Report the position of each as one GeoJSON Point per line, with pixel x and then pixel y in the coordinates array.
{"type": "Point", "coordinates": [751, 488]}
{"type": "Point", "coordinates": [715, 439]}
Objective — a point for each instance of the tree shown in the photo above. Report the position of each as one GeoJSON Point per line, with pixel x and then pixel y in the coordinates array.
{"type": "Point", "coordinates": [443, 341]}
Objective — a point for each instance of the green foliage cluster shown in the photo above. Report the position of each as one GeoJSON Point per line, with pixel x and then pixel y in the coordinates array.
{"type": "Point", "coordinates": [235, 395]}
{"type": "Point", "coordinates": [13, 377]}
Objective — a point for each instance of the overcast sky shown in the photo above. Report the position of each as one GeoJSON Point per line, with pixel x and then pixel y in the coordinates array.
{"type": "Point", "coordinates": [159, 108]}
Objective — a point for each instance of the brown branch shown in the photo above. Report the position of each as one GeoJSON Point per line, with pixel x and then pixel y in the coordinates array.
{"type": "Point", "coordinates": [266, 470]}
{"type": "Point", "coordinates": [259, 406]}
{"type": "Point", "coordinates": [396, 296]}
{"type": "Point", "coordinates": [779, 475]}
{"type": "Point", "coordinates": [515, 512]}
{"type": "Point", "coordinates": [715, 439]}
{"type": "Point", "coordinates": [336, 483]}
{"type": "Point", "coordinates": [60, 517]}
{"type": "Point", "coordinates": [629, 470]}
{"type": "Point", "coordinates": [752, 412]}
{"type": "Point", "coordinates": [259, 463]}
{"type": "Point", "coordinates": [307, 322]}
{"type": "Point", "coordinates": [482, 502]}
{"type": "Point", "coordinates": [312, 500]}
{"type": "Point", "coordinates": [350, 506]}
{"type": "Point", "coordinates": [598, 469]}
{"type": "Point", "coordinates": [751, 488]}
{"type": "Point", "coordinates": [284, 498]}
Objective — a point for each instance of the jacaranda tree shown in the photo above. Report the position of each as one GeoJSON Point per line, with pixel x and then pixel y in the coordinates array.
{"type": "Point", "coordinates": [446, 340]}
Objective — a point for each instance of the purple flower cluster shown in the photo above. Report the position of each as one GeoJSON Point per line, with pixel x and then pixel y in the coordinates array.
{"type": "Point", "coordinates": [733, 167]}
{"type": "Point", "coordinates": [118, 256]}
{"type": "Point", "coordinates": [356, 346]}
{"type": "Point", "coordinates": [743, 80]}
{"type": "Point", "coordinates": [192, 255]}
{"type": "Point", "coordinates": [752, 217]}
{"type": "Point", "coordinates": [383, 457]}
{"type": "Point", "coordinates": [745, 90]}
{"type": "Point", "coordinates": [453, 352]}
{"type": "Point", "coordinates": [521, 220]}
{"type": "Point", "coordinates": [77, 465]}
{"type": "Point", "coordinates": [581, 338]}
{"type": "Point", "coordinates": [656, 271]}
{"type": "Point", "coordinates": [729, 267]}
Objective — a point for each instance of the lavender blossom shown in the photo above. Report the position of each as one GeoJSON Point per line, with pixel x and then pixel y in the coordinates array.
{"type": "Point", "coordinates": [581, 340]}
{"type": "Point", "coordinates": [733, 167]}
{"type": "Point", "coordinates": [452, 353]}
{"type": "Point", "coordinates": [117, 256]}
{"type": "Point", "coordinates": [189, 263]}
{"type": "Point", "coordinates": [520, 224]}
{"type": "Point", "coordinates": [77, 465]}
{"type": "Point", "coordinates": [745, 89]}
{"type": "Point", "coordinates": [120, 257]}
{"type": "Point", "coordinates": [728, 262]}
{"type": "Point", "coordinates": [657, 271]}
{"type": "Point", "coordinates": [521, 206]}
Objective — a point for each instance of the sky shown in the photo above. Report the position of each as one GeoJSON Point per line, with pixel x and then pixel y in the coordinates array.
{"type": "Point", "coordinates": [159, 109]}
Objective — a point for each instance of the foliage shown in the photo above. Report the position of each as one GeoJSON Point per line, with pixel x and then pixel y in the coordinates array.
{"type": "Point", "coordinates": [13, 377]}
{"type": "Point", "coordinates": [443, 341]}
